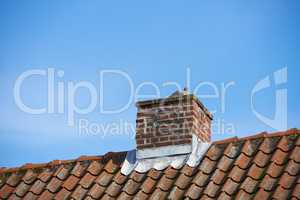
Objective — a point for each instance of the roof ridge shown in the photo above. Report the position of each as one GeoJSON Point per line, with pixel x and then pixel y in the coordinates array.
{"type": "Point", "coordinates": [57, 162]}
{"type": "Point", "coordinates": [263, 134]}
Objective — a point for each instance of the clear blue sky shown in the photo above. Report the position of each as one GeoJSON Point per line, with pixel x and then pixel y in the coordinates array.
{"type": "Point", "coordinates": [151, 41]}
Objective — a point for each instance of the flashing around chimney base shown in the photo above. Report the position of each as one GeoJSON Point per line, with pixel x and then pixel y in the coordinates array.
{"type": "Point", "coordinates": [142, 164]}
{"type": "Point", "coordinates": [163, 151]}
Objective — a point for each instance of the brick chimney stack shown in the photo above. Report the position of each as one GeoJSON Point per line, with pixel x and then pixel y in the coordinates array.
{"type": "Point", "coordinates": [167, 126]}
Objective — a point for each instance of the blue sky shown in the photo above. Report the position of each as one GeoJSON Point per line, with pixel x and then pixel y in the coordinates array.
{"type": "Point", "coordinates": [220, 42]}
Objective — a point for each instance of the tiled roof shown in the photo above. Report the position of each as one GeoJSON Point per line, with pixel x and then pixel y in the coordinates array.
{"type": "Point", "coordinates": [258, 167]}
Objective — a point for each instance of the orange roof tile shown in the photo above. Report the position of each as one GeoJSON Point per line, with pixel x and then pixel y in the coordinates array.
{"type": "Point", "coordinates": [256, 167]}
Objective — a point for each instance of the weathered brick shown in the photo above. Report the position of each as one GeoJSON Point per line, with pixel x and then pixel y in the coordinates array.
{"type": "Point", "coordinates": [171, 121]}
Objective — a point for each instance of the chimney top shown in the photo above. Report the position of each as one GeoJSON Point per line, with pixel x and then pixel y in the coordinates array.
{"type": "Point", "coordinates": [176, 96]}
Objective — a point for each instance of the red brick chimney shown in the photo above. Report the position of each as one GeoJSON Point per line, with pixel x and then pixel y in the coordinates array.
{"type": "Point", "coordinates": [166, 126]}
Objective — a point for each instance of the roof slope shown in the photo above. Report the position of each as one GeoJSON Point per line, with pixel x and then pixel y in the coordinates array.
{"type": "Point", "coordinates": [256, 167]}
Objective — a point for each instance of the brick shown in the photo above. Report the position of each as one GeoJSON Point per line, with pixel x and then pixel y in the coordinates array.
{"type": "Point", "coordinates": [173, 116]}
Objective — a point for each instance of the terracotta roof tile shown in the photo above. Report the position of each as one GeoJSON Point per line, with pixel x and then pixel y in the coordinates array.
{"type": "Point", "coordinates": [171, 173]}
{"type": "Point", "coordinates": [281, 193]}
{"type": "Point", "coordinates": [249, 185]}
{"type": "Point", "coordinates": [207, 165]}
{"type": "Point", "coordinates": [292, 168]}
{"type": "Point", "coordinates": [250, 147]}
{"type": "Point", "coordinates": [205, 197]}
{"type": "Point", "coordinates": [183, 181]}
{"type": "Point", "coordinates": [131, 187]}
{"type": "Point", "coordinates": [201, 179]}
{"type": "Point", "coordinates": [165, 183]}
{"type": "Point", "coordinates": [261, 159]}
{"type": "Point", "coordinates": [5, 191]}
{"type": "Point", "coordinates": [140, 195]}
{"type": "Point", "coordinates": [3, 180]}
{"type": "Point", "coordinates": [218, 176]}
{"type": "Point", "coordinates": [236, 174]}
{"type": "Point", "coordinates": [107, 197]}
{"type": "Point", "coordinates": [286, 181]}
{"type": "Point", "coordinates": [214, 152]}
{"type": "Point", "coordinates": [96, 191]}
{"type": "Point", "coordinates": [279, 157]}
{"type": "Point", "coordinates": [62, 194]}
{"type": "Point", "coordinates": [87, 180]}
{"type": "Point", "coordinates": [78, 170]}
{"type": "Point", "coordinates": [30, 196]}
{"type": "Point", "coordinates": [110, 167]}
{"type": "Point", "coordinates": [71, 182]}
{"type": "Point", "coordinates": [268, 183]}
{"type": "Point", "coordinates": [104, 178]}
{"type": "Point", "coordinates": [21, 189]}
{"type": "Point", "coordinates": [211, 189]}
{"type": "Point", "coordinates": [189, 171]}
{"type": "Point", "coordinates": [148, 185]}
{"type": "Point", "coordinates": [45, 175]}
{"type": "Point", "coordinates": [54, 185]}
{"type": "Point", "coordinates": [194, 192]}
{"type": "Point", "coordinates": [268, 145]}
{"type": "Point", "coordinates": [261, 194]}
{"type": "Point", "coordinates": [120, 178]}
{"type": "Point", "coordinates": [243, 161]}
{"type": "Point", "coordinates": [296, 192]}
{"type": "Point", "coordinates": [37, 187]}
{"type": "Point", "coordinates": [224, 196]}
{"type": "Point", "coordinates": [14, 197]}
{"type": "Point", "coordinates": [255, 172]}
{"type": "Point", "coordinates": [124, 196]}
{"type": "Point", "coordinates": [137, 177]}
{"type": "Point", "coordinates": [242, 195]}
{"type": "Point", "coordinates": [62, 172]}
{"type": "Point", "coordinates": [176, 193]}
{"type": "Point", "coordinates": [230, 187]}
{"type": "Point", "coordinates": [225, 163]}
{"type": "Point", "coordinates": [95, 168]}
{"type": "Point", "coordinates": [79, 193]}
{"type": "Point", "coordinates": [88, 198]}
{"type": "Point", "coordinates": [295, 154]}
{"type": "Point", "coordinates": [114, 189]}
{"type": "Point", "coordinates": [155, 174]}
{"type": "Point", "coordinates": [14, 179]}
{"type": "Point", "coordinates": [29, 177]}
{"type": "Point", "coordinates": [232, 150]}
{"type": "Point", "coordinates": [284, 144]}
{"type": "Point", "coordinates": [260, 167]}
{"type": "Point", "coordinates": [46, 195]}
{"type": "Point", "coordinates": [158, 195]}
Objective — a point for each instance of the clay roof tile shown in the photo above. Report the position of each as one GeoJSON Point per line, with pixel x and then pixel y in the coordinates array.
{"type": "Point", "coordinates": [21, 189]}
{"type": "Point", "coordinates": [95, 168]}
{"type": "Point", "coordinates": [131, 187]}
{"type": "Point", "coordinates": [96, 191]}
{"type": "Point", "coordinates": [259, 167]}
{"type": "Point", "coordinates": [78, 193]}
{"type": "Point", "coordinates": [5, 191]}
{"type": "Point", "coordinates": [148, 185]}
{"type": "Point", "coordinates": [71, 182]}
{"type": "Point", "coordinates": [46, 195]}
{"type": "Point", "coordinates": [194, 191]}
{"type": "Point", "coordinates": [62, 194]}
